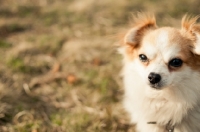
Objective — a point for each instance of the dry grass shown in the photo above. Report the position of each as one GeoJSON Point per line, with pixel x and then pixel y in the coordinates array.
{"type": "Point", "coordinates": [59, 69]}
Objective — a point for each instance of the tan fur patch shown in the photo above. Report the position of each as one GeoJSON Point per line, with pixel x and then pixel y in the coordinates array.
{"type": "Point", "coordinates": [189, 30]}
{"type": "Point", "coordinates": [187, 26]}
{"type": "Point", "coordinates": [142, 19]}
{"type": "Point", "coordinates": [188, 22]}
{"type": "Point", "coordinates": [142, 24]}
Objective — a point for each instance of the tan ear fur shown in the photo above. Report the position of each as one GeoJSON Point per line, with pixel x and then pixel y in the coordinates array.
{"type": "Point", "coordinates": [188, 22]}
{"type": "Point", "coordinates": [191, 30]}
{"type": "Point", "coordinates": [196, 29]}
{"type": "Point", "coordinates": [142, 23]}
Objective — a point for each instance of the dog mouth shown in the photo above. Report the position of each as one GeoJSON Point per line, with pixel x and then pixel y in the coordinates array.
{"type": "Point", "coordinates": [156, 86]}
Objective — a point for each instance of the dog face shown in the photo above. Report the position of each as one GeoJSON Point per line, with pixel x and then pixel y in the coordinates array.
{"type": "Point", "coordinates": [163, 57]}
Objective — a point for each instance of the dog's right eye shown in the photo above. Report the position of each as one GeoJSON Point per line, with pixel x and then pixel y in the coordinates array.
{"type": "Point", "coordinates": [143, 57]}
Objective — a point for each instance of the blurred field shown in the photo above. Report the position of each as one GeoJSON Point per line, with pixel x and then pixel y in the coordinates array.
{"type": "Point", "coordinates": [59, 69]}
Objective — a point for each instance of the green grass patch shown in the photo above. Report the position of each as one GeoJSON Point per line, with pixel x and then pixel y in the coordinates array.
{"type": "Point", "coordinates": [24, 11]}
{"type": "Point", "coordinates": [29, 126]}
{"type": "Point", "coordinates": [17, 65]}
{"type": "Point", "coordinates": [8, 29]}
{"type": "Point", "coordinates": [50, 18]}
{"type": "Point", "coordinates": [14, 27]}
{"type": "Point", "coordinates": [5, 12]}
{"type": "Point", "coordinates": [4, 44]}
{"type": "Point", "coordinates": [79, 121]}
{"type": "Point", "coordinates": [56, 119]}
{"type": "Point", "coordinates": [51, 45]}
{"type": "Point", "coordinates": [104, 86]}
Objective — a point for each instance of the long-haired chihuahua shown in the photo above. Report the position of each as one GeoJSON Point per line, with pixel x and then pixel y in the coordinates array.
{"type": "Point", "coordinates": [161, 75]}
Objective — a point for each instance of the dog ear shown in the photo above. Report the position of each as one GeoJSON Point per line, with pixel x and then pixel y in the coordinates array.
{"type": "Point", "coordinates": [142, 23]}
{"type": "Point", "coordinates": [197, 43]}
{"type": "Point", "coordinates": [191, 30]}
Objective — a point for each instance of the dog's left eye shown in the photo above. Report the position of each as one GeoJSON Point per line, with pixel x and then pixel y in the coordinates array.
{"type": "Point", "coordinates": [143, 57]}
{"type": "Point", "coordinates": [176, 62]}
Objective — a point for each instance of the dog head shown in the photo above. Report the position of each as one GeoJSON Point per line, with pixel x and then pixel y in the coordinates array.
{"type": "Point", "coordinates": [164, 57]}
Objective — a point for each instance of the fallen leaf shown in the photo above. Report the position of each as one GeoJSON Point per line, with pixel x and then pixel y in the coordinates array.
{"type": "Point", "coordinates": [71, 78]}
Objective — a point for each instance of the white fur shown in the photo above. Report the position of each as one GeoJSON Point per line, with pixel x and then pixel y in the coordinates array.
{"type": "Point", "coordinates": [179, 99]}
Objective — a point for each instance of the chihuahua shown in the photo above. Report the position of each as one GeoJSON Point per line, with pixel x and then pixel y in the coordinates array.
{"type": "Point", "coordinates": [161, 75]}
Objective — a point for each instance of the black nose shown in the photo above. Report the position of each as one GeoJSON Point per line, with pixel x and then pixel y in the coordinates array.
{"type": "Point", "coordinates": [154, 78]}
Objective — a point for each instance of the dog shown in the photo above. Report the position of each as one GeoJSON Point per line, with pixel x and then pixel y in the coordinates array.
{"type": "Point", "coordinates": [161, 75]}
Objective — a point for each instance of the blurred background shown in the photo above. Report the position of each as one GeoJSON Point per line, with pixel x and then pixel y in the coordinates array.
{"type": "Point", "coordinates": [59, 68]}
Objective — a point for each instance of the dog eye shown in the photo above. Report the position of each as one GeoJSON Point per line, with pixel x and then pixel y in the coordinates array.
{"type": "Point", "coordinates": [143, 57]}
{"type": "Point", "coordinates": [176, 62]}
